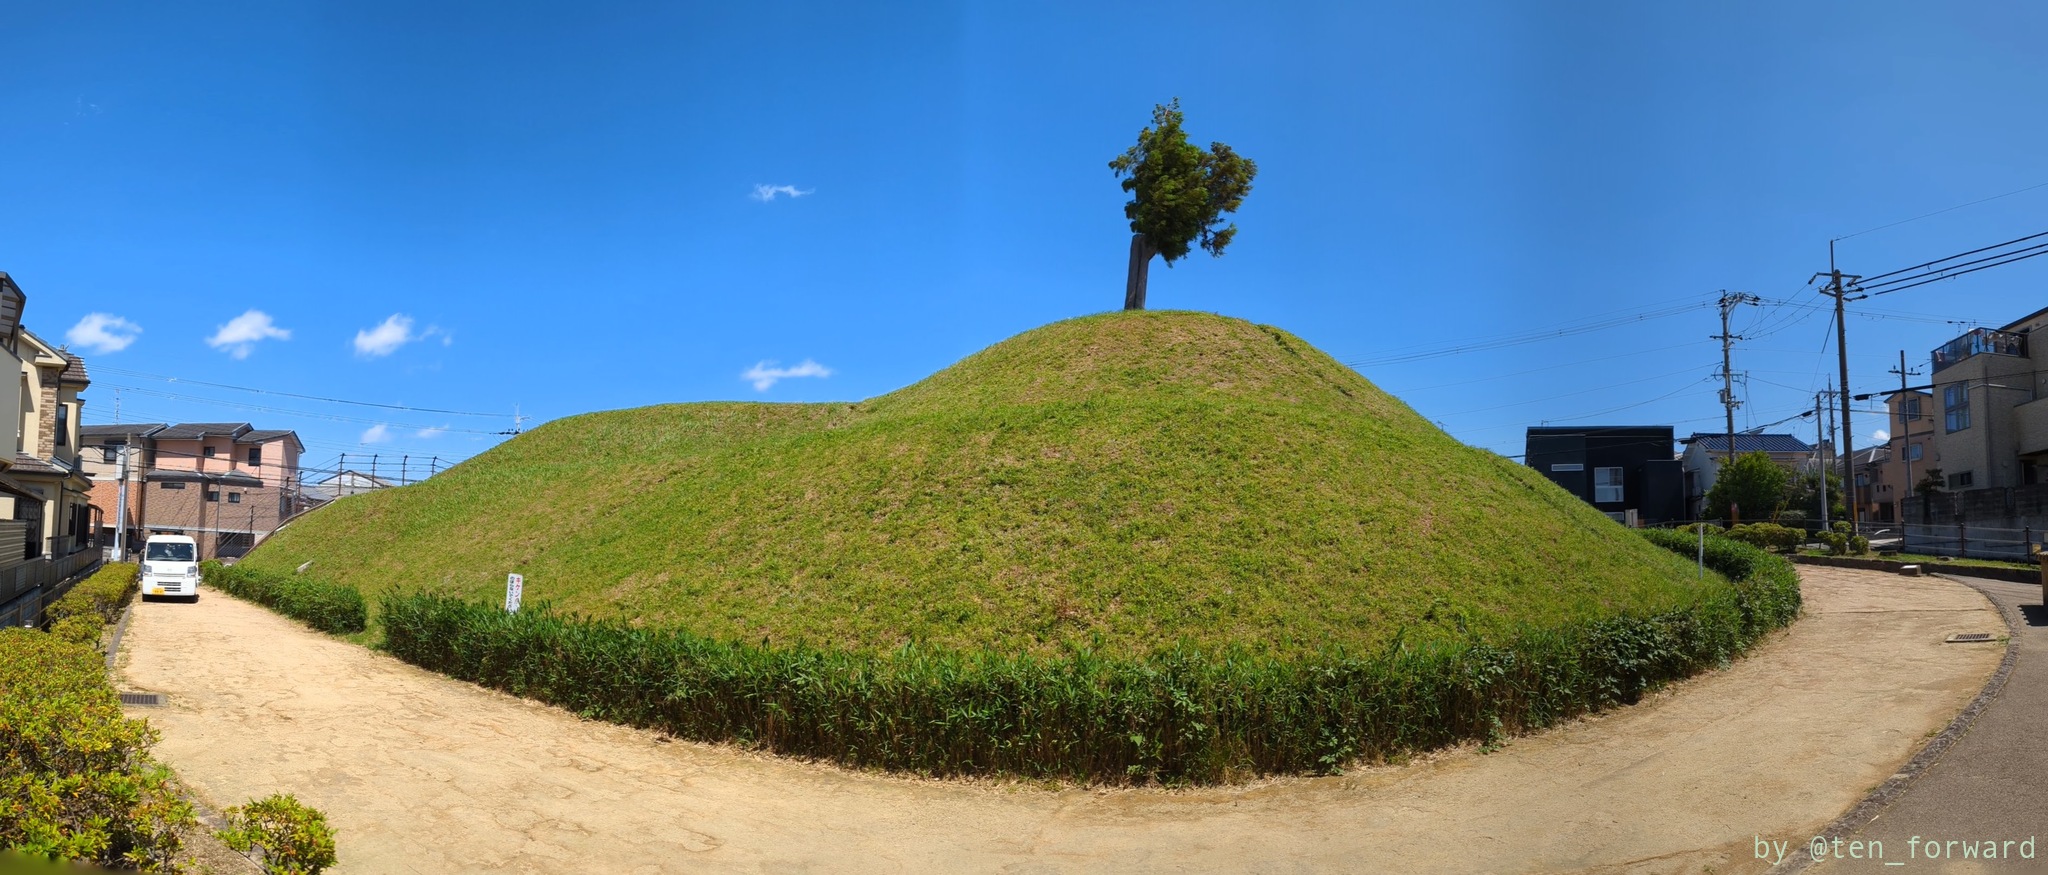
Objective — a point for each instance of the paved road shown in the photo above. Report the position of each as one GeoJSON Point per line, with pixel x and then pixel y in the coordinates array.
{"type": "Point", "coordinates": [1991, 786]}
{"type": "Point", "coordinates": [425, 774]}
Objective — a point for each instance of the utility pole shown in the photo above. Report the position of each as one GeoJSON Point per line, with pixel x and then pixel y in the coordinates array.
{"type": "Point", "coordinates": [121, 510]}
{"type": "Point", "coordinates": [1905, 436]}
{"type": "Point", "coordinates": [1729, 301]}
{"type": "Point", "coordinates": [1820, 464]}
{"type": "Point", "coordinates": [1835, 289]}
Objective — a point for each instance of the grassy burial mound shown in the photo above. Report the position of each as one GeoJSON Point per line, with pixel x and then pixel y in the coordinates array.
{"type": "Point", "coordinates": [1137, 479]}
{"type": "Point", "coordinates": [1152, 544]}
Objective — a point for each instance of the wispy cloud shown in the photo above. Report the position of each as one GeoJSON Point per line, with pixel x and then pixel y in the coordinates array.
{"type": "Point", "coordinates": [376, 434]}
{"type": "Point", "coordinates": [239, 337]}
{"type": "Point", "coordinates": [433, 432]}
{"type": "Point", "coordinates": [395, 331]}
{"type": "Point", "coordinates": [1880, 435]}
{"type": "Point", "coordinates": [766, 193]}
{"type": "Point", "coordinates": [766, 374]}
{"type": "Point", "coordinates": [103, 333]}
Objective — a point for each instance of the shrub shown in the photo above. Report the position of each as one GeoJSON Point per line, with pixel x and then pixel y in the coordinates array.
{"type": "Point", "coordinates": [292, 838]}
{"type": "Point", "coordinates": [80, 629]}
{"type": "Point", "coordinates": [1768, 536]}
{"type": "Point", "coordinates": [76, 779]}
{"type": "Point", "coordinates": [328, 607]}
{"type": "Point", "coordinates": [1181, 715]}
{"type": "Point", "coordinates": [105, 593]}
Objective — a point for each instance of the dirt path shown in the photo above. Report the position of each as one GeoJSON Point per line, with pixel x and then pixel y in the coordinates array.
{"type": "Point", "coordinates": [425, 774]}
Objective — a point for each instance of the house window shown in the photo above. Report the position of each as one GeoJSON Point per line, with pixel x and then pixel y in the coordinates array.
{"type": "Point", "coordinates": [1913, 453]}
{"type": "Point", "coordinates": [1961, 481]}
{"type": "Point", "coordinates": [1863, 479]}
{"type": "Point", "coordinates": [1955, 403]}
{"type": "Point", "coordinates": [255, 455]}
{"type": "Point", "coordinates": [110, 454]}
{"type": "Point", "coordinates": [212, 495]}
{"type": "Point", "coordinates": [63, 424]}
{"type": "Point", "coordinates": [1911, 408]}
{"type": "Point", "coordinates": [210, 452]}
{"type": "Point", "coordinates": [172, 485]}
{"type": "Point", "coordinates": [234, 498]}
{"type": "Point", "coordinates": [1606, 485]}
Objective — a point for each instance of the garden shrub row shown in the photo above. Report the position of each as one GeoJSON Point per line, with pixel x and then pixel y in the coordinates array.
{"type": "Point", "coordinates": [76, 779]}
{"type": "Point", "coordinates": [92, 604]}
{"type": "Point", "coordinates": [328, 607]}
{"type": "Point", "coordinates": [1182, 715]}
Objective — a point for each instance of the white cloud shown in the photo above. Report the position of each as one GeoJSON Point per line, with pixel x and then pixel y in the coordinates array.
{"type": "Point", "coordinates": [1880, 435]}
{"type": "Point", "coordinates": [385, 339]}
{"type": "Point", "coordinates": [103, 333]}
{"type": "Point", "coordinates": [238, 338]}
{"type": "Point", "coordinates": [376, 434]}
{"type": "Point", "coordinates": [765, 374]}
{"type": "Point", "coordinates": [766, 193]}
{"type": "Point", "coordinates": [433, 432]}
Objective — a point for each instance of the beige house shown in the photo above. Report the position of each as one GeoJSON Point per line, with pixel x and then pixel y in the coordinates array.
{"type": "Point", "coordinates": [1990, 400]}
{"type": "Point", "coordinates": [46, 516]}
{"type": "Point", "coordinates": [106, 452]}
{"type": "Point", "coordinates": [1886, 475]}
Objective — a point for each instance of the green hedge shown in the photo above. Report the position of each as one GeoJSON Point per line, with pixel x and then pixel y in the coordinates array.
{"type": "Point", "coordinates": [1179, 716]}
{"type": "Point", "coordinates": [76, 780]}
{"type": "Point", "coordinates": [105, 593]}
{"type": "Point", "coordinates": [328, 607]}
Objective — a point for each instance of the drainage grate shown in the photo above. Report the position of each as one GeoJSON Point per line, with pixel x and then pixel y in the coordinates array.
{"type": "Point", "coordinates": [150, 699]}
{"type": "Point", "coordinates": [1967, 638]}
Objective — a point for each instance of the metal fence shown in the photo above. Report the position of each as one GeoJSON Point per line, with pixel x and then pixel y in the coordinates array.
{"type": "Point", "coordinates": [26, 588]}
{"type": "Point", "coordinates": [1959, 540]}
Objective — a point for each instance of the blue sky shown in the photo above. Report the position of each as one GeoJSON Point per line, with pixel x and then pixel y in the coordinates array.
{"type": "Point", "coordinates": [472, 207]}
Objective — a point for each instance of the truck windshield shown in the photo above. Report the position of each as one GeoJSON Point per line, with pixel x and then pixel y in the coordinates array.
{"type": "Point", "coordinates": [170, 552]}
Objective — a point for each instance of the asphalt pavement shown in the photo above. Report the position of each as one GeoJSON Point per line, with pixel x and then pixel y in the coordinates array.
{"type": "Point", "coordinates": [1982, 807]}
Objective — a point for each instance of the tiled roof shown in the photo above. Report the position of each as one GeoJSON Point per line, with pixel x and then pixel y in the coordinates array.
{"type": "Point", "coordinates": [74, 372]}
{"type": "Point", "coordinates": [121, 430]}
{"type": "Point", "coordinates": [231, 478]}
{"type": "Point", "coordinates": [27, 464]}
{"type": "Point", "coordinates": [1752, 443]}
{"type": "Point", "coordinates": [192, 431]}
{"type": "Point", "coordinates": [266, 435]}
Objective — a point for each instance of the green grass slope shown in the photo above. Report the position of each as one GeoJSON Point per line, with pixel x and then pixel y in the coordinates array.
{"type": "Point", "coordinates": [1125, 481]}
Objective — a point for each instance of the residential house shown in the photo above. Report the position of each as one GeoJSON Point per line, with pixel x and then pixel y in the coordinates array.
{"type": "Point", "coordinates": [1704, 453]}
{"type": "Point", "coordinates": [225, 484]}
{"type": "Point", "coordinates": [1624, 471]}
{"type": "Point", "coordinates": [47, 459]}
{"type": "Point", "coordinates": [46, 515]}
{"type": "Point", "coordinates": [1885, 475]}
{"type": "Point", "coordinates": [107, 451]}
{"type": "Point", "coordinates": [1991, 386]}
{"type": "Point", "coordinates": [345, 484]}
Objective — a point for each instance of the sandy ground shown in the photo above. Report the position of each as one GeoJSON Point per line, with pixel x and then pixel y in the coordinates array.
{"type": "Point", "coordinates": [425, 774]}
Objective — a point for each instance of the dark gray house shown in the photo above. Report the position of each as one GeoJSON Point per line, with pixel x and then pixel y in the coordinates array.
{"type": "Point", "coordinates": [1629, 472]}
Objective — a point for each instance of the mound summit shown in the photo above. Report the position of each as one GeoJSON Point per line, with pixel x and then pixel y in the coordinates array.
{"type": "Point", "coordinates": [1123, 482]}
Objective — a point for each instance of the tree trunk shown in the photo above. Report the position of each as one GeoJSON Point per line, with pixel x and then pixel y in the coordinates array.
{"type": "Point", "coordinates": [1142, 251]}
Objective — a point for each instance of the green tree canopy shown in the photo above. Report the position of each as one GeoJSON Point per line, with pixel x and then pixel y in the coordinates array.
{"type": "Point", "coordinates": [1801, 497]}
{"type": "Point", "coordinates": [1179, 194]}
{"type": "Point", "coordinates": [1753, 483]}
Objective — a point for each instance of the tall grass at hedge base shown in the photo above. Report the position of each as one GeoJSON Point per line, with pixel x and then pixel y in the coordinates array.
{"type": "Point", "coordinates": [76, 779]}
{"type": "Point", "coordinates": [328, 607]}
{"type": "Point", "coordinates": [1181, 716]}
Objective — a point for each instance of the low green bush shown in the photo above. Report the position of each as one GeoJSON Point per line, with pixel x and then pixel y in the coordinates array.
{"type": "Point", "coordinates": [105, 593]}
{"type": "Point", "coordinates": [291, 838]}
{"type": "Point", "coordinates": [1181, 715]}
{"type": "Point", "coordinates": [1768, 536]}
{"type": "Point", "coordinates": [328, 607]}
{"type": "Point", "coordinates": [76, 779]}
{"type": "Point", "coordinates": [80, 629]}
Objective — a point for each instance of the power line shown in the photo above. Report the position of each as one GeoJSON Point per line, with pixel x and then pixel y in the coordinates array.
{"type": "Point", "coordinates": [1397, 356]}
{"type": "Point", "coordinates": [1943, 275]}
{"type": "Point", "coordinates": [283, 411]}
{"type": "Point", "coordinates": [1947, 210]}
{"type": "Point", "coordinates": [129, 373]}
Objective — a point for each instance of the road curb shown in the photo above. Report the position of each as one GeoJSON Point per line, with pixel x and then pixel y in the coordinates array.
{"type": "Point", "coordinates": [1889, 791]}
{"type": "Point", "coordinates": [114, 644]}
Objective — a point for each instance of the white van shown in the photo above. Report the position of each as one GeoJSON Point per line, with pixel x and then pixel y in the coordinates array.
{"type": "Point", "coordinates": [170, 566]}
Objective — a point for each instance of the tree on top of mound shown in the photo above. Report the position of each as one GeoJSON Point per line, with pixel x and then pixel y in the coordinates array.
{"type": "Point", "coordinates": [1179, 193]}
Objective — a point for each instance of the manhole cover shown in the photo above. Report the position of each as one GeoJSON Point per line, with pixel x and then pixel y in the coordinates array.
{"type": "Point", "coordinates": [151, 699]}
{"type": "Point", "coordinates": [1967, 638]}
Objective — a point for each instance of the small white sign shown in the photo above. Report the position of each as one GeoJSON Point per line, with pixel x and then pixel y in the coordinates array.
{"type": "Point", "coordinates": [514, 584]}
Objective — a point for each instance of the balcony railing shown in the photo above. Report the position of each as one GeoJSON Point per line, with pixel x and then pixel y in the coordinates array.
{"type": "Point", "coordinates": [1981, 341]}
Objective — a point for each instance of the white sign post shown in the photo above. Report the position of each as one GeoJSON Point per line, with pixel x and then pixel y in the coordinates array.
{"type": "Point", "coordinates": [514, 584]}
